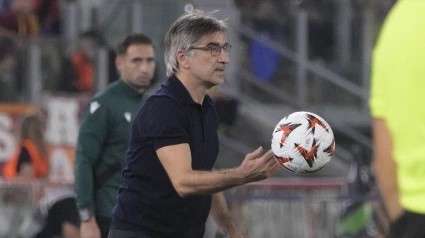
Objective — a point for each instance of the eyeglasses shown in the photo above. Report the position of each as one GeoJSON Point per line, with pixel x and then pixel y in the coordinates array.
{"type": "Point", "coordinates": [215, 49]}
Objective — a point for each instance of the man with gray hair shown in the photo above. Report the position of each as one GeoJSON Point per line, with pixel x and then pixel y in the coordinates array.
{"type": "Point", "coordinates": [170, 186]}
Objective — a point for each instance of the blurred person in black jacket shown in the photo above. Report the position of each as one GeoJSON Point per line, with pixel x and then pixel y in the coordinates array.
{"type": "Point", "coordinates": [55, 216]}
{"type": "Point", "coordinates": [78, 71]}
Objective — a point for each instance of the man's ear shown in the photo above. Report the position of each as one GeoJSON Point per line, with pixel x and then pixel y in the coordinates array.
{"type": "Point", "coordinates": [182, 59]}
{"type": "Point", "coordinates": [119, 62]}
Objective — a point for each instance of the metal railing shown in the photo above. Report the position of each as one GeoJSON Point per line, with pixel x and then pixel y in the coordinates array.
{"type": "Point", "coordinates": [304, 66]}
{"type": "Point", "coordinates": [300, 207]}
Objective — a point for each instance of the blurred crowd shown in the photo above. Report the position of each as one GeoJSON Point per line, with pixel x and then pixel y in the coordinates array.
{"type": "Point", "coordinates": [23, 21]}
{"type": "Point", "coordinates": [27, 158]}
{"type": "Point", "coordinates": [29, 17]}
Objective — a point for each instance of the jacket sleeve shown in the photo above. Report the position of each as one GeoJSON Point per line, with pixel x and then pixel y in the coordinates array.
{"type": "Point", "coordinates": [91, 140]}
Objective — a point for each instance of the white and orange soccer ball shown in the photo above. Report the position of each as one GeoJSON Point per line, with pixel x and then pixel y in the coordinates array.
{"type": "Point", "coordinates": [303, 142]}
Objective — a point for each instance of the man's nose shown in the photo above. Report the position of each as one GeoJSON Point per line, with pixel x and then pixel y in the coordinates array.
{"type": "Point", "coordinates": [223, 57]}
{"type": "Point", "coordinates": [144, 66]}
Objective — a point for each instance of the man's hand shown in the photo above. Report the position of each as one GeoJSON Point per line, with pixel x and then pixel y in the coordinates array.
{"type": "Point", "coordinates": [255, 169]}
{"type": "Point", "coordinates": [89, 229]}
{"type": "Point", "coordinates": [234, 234]}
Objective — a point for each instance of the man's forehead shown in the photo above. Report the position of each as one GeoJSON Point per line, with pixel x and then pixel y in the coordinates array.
{"type": "Point", "coordinates": [218, 37]}
{"type": "Point", "coordinates": [140, 49]}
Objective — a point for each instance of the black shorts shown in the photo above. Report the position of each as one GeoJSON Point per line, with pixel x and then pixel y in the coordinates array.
{"type": "Point", "coordinates": [104, 224]}
{"type": "Point", "coordinates": [409, 225]}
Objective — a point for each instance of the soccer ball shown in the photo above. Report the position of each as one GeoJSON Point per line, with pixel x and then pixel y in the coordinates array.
{"type": "Point", "coordinates": [303, 142]}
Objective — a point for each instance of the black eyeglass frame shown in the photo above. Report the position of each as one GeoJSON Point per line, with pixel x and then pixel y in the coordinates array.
{"type": "Point", "coordinates": [215, 49]}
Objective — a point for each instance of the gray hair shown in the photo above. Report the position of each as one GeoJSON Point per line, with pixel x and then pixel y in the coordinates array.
{"type": "Point", "coordinates": [185, 33]}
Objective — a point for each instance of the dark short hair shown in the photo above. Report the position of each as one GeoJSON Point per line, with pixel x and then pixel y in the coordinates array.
{"type": "Point", "coordinates": [95, 36]}
{"type": "Point", "coordinates": [133, 39]}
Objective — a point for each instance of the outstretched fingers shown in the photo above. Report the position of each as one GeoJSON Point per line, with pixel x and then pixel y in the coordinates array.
{"type": "Point", "coordinates": [255, 154]}
{"type": "Point", "coordinates": [268, 156]}
{"type": "Point", "coordinates": [271, 164]}
{"type": "Point", "coordinates": [275, 168]}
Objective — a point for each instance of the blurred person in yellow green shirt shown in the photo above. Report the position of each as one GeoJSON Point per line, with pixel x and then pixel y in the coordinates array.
{"type": "Point", "coordinates": [398, 111]}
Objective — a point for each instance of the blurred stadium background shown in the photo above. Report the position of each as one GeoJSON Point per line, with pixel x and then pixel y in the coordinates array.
{"type": "Point", "coordinates": [287, 55]}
